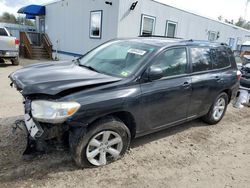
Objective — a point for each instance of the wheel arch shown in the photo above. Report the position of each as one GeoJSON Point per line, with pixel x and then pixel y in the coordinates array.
{"type": "Point", "coordinates": [126, 117]}
{"type": "Point", "coordinates": [229, 94]}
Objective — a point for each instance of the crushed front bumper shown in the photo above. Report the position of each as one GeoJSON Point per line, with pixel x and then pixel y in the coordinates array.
{"type": "Point", "coordinates": [42, 137]}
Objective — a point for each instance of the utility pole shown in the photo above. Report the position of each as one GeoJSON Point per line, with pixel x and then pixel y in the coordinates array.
{"type": "Point", "coordinates": [245, 15]}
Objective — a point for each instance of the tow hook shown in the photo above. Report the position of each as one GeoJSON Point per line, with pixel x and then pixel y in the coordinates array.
{"type": "Point", "coordinates": [17, 125]}
{"type": "Point", "coordinates": [31, 146]}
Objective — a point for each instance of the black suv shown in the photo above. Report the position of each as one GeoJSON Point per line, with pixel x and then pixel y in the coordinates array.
{"type": "Point", "coordinates": [121, 90]}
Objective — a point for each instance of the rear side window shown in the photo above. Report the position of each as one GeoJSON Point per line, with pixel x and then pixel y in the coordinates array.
{"type": "Point", "coordinates": [231, 57]}
{"type": "Point", "coordinates": [172, 62]}
{"type": "Point", "coordinates": [3, 32]}
{"type": "Point", "coordinates": [221, 58]}
{"type": "Point", "coordinates": [201, 59]}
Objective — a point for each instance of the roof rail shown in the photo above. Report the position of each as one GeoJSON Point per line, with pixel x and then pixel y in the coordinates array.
{"type": "Point", "coordinates": [221, 43]}
{"type": "Point", "coordinates": [160, 36]}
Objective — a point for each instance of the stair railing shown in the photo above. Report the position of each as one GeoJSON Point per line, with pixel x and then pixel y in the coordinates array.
{"type": "Point", "coordinates": [47, 44]}
{"type": "Point", "coordinates": [26, 42]}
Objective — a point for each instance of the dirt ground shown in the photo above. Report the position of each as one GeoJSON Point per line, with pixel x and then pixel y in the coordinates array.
{"type": "Point", "coordinates": [190, 155]}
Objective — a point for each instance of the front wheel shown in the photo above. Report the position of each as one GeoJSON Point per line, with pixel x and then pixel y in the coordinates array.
{"type": "Point", "coordinates": [15, 61]}
{"type": "Point", "coordinates": [217, 110]}
{"type": "Point", "coordinates": [106, 141]}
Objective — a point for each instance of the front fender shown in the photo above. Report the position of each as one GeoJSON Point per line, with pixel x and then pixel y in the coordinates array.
{"type": "Point", "coordinates": [102, 103]}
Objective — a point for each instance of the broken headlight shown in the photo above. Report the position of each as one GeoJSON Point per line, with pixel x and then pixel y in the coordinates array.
{"type": "Point", "coordinates": [53, 112]}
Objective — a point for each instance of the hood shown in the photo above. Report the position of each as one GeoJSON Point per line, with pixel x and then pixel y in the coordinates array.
{"type": "Point", "coordinates": [54, 77]}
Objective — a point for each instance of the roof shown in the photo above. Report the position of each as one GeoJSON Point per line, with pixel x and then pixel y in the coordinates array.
{"type": "Point", "coordinates": [51, 2]}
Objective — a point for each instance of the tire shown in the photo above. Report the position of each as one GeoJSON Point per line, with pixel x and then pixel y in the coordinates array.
{"type": "Point", "coordinates": [90, 147]}
{"type": "Point", "coordinates": [212, 119]}
{"type": "Point", "coordinates": [2, 61]}
{"type": "Point", "coordinates": [15, 61]}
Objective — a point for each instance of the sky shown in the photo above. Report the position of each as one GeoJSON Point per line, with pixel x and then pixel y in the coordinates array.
{"type": "Point", "coordinates": [228, 9]}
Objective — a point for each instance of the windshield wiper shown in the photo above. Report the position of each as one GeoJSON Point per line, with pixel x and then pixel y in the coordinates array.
{"type": "Point", "coordinates": [89, 67]}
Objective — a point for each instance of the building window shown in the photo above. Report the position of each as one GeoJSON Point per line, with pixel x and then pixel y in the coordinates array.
{"type": "Point", "coordinates": [171, 29]}
{"type": "Point", "coordinates": [212, 36]}
{"type": "Point", "coordinates": [147, 25]}
{"type": "Point", "coordinates": [231, 42]}
{"type": "Point", "coordinates": [96, 24]}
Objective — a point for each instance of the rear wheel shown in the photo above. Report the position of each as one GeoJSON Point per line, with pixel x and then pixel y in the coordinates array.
{"type": "Point", "coordinates": [1, 60]}
{"type": "Point", "coordinates": [217, 110]}
{"type": "Point", "coordinates": [106, 141]}
{"type": "Point", "coordinates": [15, 61]}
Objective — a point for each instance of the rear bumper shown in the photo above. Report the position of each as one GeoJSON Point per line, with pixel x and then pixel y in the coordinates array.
{"type": "Point", "coordinates": [8, 54]}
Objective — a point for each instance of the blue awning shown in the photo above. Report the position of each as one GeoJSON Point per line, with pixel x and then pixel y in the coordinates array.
{"type": "Point", "coordinates": [35, 10]}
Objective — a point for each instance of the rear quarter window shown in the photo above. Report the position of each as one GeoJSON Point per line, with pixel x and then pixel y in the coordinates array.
{"type": "Point", "coordinates": [3, 32]}
{"type": "Point", "coordinates": [201, 59]}
{"type": "Point", "coordinates": [221, 58]}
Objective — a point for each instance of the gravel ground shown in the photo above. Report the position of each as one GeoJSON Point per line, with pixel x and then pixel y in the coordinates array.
{"type": "Point", "coordinates": [190, 155]}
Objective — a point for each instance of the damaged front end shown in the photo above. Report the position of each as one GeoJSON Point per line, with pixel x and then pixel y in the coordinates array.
{"type": "Point", "coordinates": [46, 121]}
{"type": "Point", "coordinates": [44, 135]}
{"type": "Point", "coordinates": [49, 110]}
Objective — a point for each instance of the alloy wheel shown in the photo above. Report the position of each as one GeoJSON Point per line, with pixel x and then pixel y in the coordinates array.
{"type": "Point", "coordinates": [104, 147]}
{"type": "Point", "coordinates": [219, 108]}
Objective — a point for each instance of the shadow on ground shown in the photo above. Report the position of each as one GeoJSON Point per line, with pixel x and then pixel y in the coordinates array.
{"type": "Point", "coordinates": [13, 167]}
{"type": "Point", "coordinates": [3, 65]}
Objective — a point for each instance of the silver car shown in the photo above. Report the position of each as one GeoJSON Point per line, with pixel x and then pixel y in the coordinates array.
{"type": "Point", "coordinates": [9, 47]}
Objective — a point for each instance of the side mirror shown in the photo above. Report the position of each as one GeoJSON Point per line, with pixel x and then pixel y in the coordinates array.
{"type": "Point", "coordinates": [155, 73]}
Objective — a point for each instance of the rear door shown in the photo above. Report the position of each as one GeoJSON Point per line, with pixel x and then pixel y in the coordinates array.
{"type": "Point", "coordinates": [226, 65]}
{"type": "Point", "coordinates": [165, 101]}
{"type": "Point", "coordinates": [206, 81]}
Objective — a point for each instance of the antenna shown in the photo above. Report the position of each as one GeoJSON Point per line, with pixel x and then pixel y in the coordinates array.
{"type": "Point", "coordinates": [245, 15]}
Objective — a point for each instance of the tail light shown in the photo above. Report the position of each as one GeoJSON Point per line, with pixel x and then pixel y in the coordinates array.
{"type": "Point", "coordinates": [238, 75]}
{"type": "Point", "coordinates": [17, 42]}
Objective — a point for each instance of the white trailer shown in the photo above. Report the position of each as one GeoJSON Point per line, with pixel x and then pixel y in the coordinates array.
{"type": "Point", "coordinates": [76, 26]}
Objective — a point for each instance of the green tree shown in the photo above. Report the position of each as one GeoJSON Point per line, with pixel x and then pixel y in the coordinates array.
{"type": "Point", "coordinates": [8, 18]}
{"type": "Point", "coordinates": [11, 18]}
{"type": "Point", "coordinates": [241, 22]}
{"type": "Point", "coordinates": [22, 20]}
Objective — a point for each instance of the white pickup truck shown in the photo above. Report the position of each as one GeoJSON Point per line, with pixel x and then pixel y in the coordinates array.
{"type": "Point", "coordinates": [9, 47]}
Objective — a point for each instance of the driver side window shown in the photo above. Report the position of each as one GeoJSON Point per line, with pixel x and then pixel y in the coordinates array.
{"type": "Point", "coordinates": [172, 62]}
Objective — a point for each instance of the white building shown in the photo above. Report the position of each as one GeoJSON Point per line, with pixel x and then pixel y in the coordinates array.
{"type": "Point", "coordinates": [76, 26]}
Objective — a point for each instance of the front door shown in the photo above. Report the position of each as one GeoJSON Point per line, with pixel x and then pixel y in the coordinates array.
{"type": "Point", "coordinates": [41, 25]}
{"type": "Point", "coordinates": [165, 101]}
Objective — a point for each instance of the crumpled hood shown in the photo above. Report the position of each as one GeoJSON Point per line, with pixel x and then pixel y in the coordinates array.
{"type": "Point", "coordinates": [54, 77]}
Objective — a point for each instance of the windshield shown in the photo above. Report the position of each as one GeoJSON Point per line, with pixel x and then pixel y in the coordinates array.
{"type": "Point", "coordinates": [117, 58]}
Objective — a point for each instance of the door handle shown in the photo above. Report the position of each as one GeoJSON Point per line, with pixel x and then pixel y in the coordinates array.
{"type": "Point", "coordinates": [218, 78]}
{"type": "Point", "coordinates": [186, 85]}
